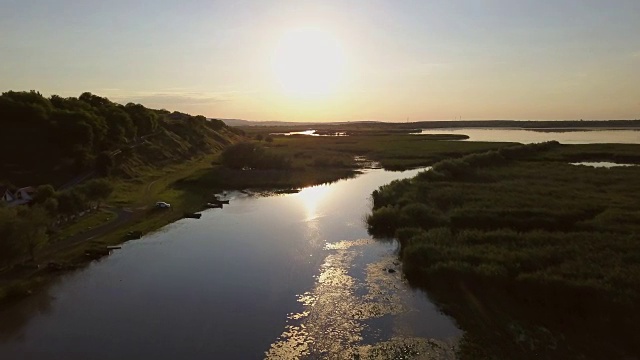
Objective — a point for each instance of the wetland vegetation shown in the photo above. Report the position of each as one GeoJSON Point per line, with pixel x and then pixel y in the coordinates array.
{"type": "Point", "coordinates": [533, 256]}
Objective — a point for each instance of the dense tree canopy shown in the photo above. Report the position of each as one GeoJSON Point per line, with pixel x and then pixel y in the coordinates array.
{"type": "Point", "coordinates": [66, 136]}
{"type": "Point", "coordinates": [66, 141]}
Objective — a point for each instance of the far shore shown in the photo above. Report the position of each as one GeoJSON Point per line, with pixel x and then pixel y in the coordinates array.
{"type": "Point", "coordinates": [577, 128]}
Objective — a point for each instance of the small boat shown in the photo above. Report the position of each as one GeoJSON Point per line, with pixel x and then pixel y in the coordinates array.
{"type": "Point", "coordinates": [134, 235]}
{"type": "Point", "coordinates": [214, 205]}
{"type": "Point", "coordinates": [218, 201]}
{"type": "Point", "coordinates": [192, 215]}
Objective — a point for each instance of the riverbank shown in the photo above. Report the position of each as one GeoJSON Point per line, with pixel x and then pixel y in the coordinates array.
{"type": "Point", "coordinates": [533, 256]}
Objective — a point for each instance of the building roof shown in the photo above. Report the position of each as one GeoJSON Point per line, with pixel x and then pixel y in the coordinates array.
{"type": "Point", "coordinates": [29, 189]}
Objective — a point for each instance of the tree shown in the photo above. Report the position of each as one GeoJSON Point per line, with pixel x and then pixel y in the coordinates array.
{"type": "Point", "coordinates": [9, 249]}
{"type": "Point", "coordinates": [43, 193]}
{"type": "Point", "coordinates": [216, 124]}
{"type": "Point", "coordinates": [104, 163]}
{"type": "Point", "coordinates": [252, 156]}
{"type": "Point", "coordinates": [51, 205]}
{"type": "Point", "coordinates": [31, 229]}
{"type": "Point", "coordinates": [97, 190]}
{"type": "Point", "coordinates": [81, 158]}
{"type": "Point", "coordinates": [241, 155]}
{"type": "Point", "coordinates": [145, 120]}
{"type": "Point", "coordinates": [94, 100]}
{"type": "Point", "coordinates": [71, 202]}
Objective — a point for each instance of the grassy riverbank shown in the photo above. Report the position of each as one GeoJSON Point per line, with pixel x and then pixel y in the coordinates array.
{"type": "Point", "coordinates": [137, 196]}
{"type": "Point", "coordinates": [534, 257]}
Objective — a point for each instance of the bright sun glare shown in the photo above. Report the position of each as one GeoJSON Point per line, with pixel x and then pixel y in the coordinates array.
{"type": "Point", "coordinates": [309, 62]}
{"type": "Point", "coordinates": [311, 198]}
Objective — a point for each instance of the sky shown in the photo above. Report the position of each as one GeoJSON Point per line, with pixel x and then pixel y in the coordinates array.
{"type": "Point", "coordinates": [333, 60]}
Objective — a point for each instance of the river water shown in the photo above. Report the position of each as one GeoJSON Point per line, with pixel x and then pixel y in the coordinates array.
{"type": "Point", "coordinates": [567, 136]}
{"type": "Point", "coordinates": [281, 277]}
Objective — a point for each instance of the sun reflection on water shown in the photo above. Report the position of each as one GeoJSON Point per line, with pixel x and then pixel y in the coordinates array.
{"type": "Point", "coordinates": [338, 310]}
{"type": "Point", "coordinates": [311, 199]}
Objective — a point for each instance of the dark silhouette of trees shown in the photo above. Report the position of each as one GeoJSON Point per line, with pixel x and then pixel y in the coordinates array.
{"type": "Point", "coordinates": [97, 190]}
{"type": "Point", "coordinates": [104, 163]}
{"type": "Point", "coordinates": [241, 155]}
{"type": "Point", "coordinates": [71, 202]}
{"type": "Point", "coordinates": [145, 120]}
{"type": "Point", "coordinates": [65, 136]}
{"type": "Point", "coordinates": [31, 229]}
{"type": "Point", "coordinates": [247, 155]}
{"type": "Point", "coordinates": [44, 193]}
{"type": "Point", "coordinates": [23, 230]}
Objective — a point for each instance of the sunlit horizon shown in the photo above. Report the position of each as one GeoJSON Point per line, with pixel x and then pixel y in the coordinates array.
{"type": "Point", "coordinates": [333, 60]}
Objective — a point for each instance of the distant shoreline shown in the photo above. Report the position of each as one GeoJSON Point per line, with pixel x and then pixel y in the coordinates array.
{"type": "Point", "coordinates": [576, 128]}
{"type": "Point", "coordinates": [448, 124]}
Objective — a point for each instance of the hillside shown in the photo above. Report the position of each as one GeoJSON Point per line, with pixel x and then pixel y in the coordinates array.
{"type": "Point", "coordinates": [56, 140]}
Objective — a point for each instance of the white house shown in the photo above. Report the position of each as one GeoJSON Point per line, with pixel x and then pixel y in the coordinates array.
{"type": "Point", "coordinates": [24, 195]}
{"type": "Point", "coordinates": [19, 197]}
{"type": "Point", "coordinates": [7, 195]}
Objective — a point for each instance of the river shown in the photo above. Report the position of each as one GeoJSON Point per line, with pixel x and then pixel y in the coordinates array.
{"type": "Point", "coordinates": [281, 277]}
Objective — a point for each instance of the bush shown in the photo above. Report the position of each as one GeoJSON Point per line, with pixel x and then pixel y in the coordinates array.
{"type": "Point", "coordinates": [247, 155]}
{"type": "Point", "coordinates": [454, 169]}
{"type": "Point", "coordinates": [383, 221]}
{"type": "Point", "coordinates": [420, 215]}
{"type": "Point", "coordinates": [104, 163]}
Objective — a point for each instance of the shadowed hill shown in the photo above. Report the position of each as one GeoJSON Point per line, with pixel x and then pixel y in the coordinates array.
{"type": "Point", "coordinates": [54, 140]}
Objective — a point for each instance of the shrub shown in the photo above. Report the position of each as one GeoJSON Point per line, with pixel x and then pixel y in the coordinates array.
{"type": "Point", "coordinates": [420, 215]}
{"type": "Point", "coordinates": [383, 221]}
{"type": "Point", "coordinates": [247, 155]}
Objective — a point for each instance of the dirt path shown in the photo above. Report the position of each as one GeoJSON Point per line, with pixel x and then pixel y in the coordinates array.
{"type": "Point", "coordinates": [123, 216]}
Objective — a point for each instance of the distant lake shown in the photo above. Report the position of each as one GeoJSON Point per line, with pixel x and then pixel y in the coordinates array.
{"type": "Point", "coordinates": [601, 164]}
{"type": "Point", "coordinates": [566, 136]}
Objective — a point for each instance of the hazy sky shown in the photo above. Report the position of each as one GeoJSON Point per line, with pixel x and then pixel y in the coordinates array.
{"type": "Point", "coordinates": [333, 60]}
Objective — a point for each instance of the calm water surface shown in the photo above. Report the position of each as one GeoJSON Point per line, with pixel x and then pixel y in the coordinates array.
{"type": "Point", "coordinates": [290, 276]}
{"type": "Point", "coordinates": [601, 164]}
{"type": "Point", "coordinates": [536, 136]}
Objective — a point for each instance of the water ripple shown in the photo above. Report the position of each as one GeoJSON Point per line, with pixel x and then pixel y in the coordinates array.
{"type": "Point", "coordinates": [334, 316]}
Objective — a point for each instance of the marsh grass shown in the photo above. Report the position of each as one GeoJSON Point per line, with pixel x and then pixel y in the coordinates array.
{"type": "Point", "coordinates": [534, 242]}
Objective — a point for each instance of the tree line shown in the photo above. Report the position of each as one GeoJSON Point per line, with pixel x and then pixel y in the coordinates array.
{"type": "Point", "coordinates": [46, 136]}
{"type": "Point", "coordinates": [25, 229]}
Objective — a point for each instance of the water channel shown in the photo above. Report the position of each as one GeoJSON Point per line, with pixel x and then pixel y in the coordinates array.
{"type": "Point", "coordinates": [288, 276]}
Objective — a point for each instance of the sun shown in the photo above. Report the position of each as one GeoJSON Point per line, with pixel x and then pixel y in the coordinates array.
{"type": "Point", "coordinates": [308, 62]}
